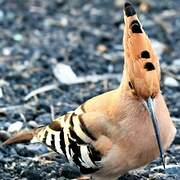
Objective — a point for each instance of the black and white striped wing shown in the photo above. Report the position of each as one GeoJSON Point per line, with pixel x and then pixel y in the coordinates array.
{"type": "Point", "coordinates": [69, 135]}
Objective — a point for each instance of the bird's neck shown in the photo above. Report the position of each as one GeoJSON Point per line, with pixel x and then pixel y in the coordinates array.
{"type": "Point", "coordinates": [124, 85]}
{"type": "Point", "coordinates": [125, 88]}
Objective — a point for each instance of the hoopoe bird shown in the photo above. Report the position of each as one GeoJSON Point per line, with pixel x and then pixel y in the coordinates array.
{"type": "Point", "coordinates": [120, 130]}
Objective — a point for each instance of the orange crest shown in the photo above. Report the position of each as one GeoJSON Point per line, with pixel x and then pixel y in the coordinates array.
{"type": "Point", "coordinates": [141, 62]}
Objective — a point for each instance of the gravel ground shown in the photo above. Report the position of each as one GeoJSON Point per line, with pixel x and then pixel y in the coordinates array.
{"type": "Point", "coordinates": [36, 35]}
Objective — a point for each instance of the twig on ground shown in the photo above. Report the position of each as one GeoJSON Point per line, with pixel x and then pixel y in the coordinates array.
{"type": "Point", "coordinates": [52, 112]}
{"type": "Point", "coordinates": [96, 78]}
{"type": "Point", "coordinates": [23, 117]}
{"type": "Point", "coordinates": [66, 75]}
{"type": "Point", "coordinates": [13, 108]}
{"type": "Point", "coordinates": [40, 91]}
{"type": "Point", "coordinates": [67, 104]}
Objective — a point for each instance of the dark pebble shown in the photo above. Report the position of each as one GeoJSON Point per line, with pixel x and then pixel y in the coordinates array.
{"type": "Point", "coordinates": [70, 171]}
{"type": "Point", "coordinates": [43, 119]}
{"type": "Point", "coordinates": [31, 174]}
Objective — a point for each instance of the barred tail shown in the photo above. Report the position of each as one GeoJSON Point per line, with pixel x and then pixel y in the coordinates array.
{"type": "Point", "coordinates": [66, 135]}
{"type": "Point", "coordinates": [22, 136]}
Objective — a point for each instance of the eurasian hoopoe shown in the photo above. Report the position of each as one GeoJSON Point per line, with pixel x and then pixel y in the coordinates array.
{"type": "Point", "coordinates": [113, 133]}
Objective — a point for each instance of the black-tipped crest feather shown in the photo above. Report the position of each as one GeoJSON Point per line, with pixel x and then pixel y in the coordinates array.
{"type": "Point", "coordinates": [129, 10]}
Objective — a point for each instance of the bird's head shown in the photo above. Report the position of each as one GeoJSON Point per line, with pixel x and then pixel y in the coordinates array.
{"type": "Point", "coordinates": [141, 62]}
{"type": "Point", "coordinates": [141, 65]}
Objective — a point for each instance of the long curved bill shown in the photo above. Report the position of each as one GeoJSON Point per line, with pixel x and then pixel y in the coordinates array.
{"type": "Point", "coordinates": [150, 106]}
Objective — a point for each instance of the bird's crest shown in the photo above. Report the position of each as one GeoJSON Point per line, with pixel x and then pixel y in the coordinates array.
{"type": "Point", "coordinates": [141, 62]}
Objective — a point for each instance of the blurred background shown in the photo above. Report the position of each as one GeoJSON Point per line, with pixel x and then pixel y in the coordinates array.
{"type": "Point", "coordinates": [56, 54]}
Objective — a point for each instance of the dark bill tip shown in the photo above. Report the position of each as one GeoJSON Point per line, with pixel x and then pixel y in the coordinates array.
{"type": "Point", "coordinates": [129, 10]}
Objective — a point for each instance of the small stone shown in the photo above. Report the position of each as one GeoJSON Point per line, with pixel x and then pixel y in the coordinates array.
{"type": "Point", "coordinates": [1, 15]}
{"type": "Point", "coordinates": [64, 22]}
{"type": "Point", "coordinates": [1, 156]}
{"type": "Point", "coordinates": [4, 135]}
{"type": "Point", "coordinates": [171, 82]}
{"type": "Point", "coordinates": [31, 149]}
{"type": "Point", "coordinates": [15, 127]}
{"type": "Point", "coordinates": [48, 22]}
{"type": "Point", "coordinates": [119, 3]}
{"type": "Point", "coordinates": [1, 93]}
{"type": "Point", "coordinates": [6, 125]}
{"type": "Point", "coordinates": [43, 119]}
{"type": "Point", "coordinates": [159, 47]}
{"type": "Point", "coordinates": [30, 173]}
{"type": "Point", "coordinates": [64, 74]}
{"type": "Point", "coordinates": [101, 48]}
{"type": "Point", "coordinates": [33, 124]}
{"type": "Point", "coordinates": [3, 83]}
{"type": "Point", "coordinates": [176, 62]}
{"type": "Point", "coordinates": [10, 15]}
{"type": "Point", "coordinates": [144, 6]}
{"type": "Point", "coordinates": [37, 148]}
{"type": "Point", "coordinates": [6, 51]}
{"type": "Point", "coordinates": [174, 67]}
{"type": "Point", "coordinates": [69, 171]}
{"type": "Point", "coordinates": [110, 68]}
{"type": "Point", "coordinates": [18, 37]}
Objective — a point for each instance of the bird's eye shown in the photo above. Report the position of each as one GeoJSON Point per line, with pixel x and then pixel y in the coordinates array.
{"type": "Point", "coordinates": [130, 85]}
